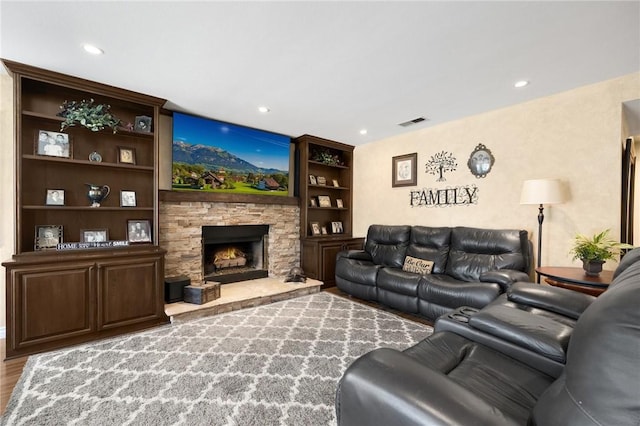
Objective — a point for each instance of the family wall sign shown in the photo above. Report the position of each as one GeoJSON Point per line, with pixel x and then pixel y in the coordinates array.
{"type": "Point", "coordinates": [434, 197]}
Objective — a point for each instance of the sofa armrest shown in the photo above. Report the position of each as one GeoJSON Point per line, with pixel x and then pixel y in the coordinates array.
{"type": "Point", "coordinates": [555, 299]}
{"type": "Point", "coordinates": [503, 277]}
{"type": "Point", "coordinates": [387, 387]}
{"type": "Point", "coordinates": [355, 254]}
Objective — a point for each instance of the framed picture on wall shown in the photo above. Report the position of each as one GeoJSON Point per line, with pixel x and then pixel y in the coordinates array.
{"type": "Point", "coordinates": [403, 170]}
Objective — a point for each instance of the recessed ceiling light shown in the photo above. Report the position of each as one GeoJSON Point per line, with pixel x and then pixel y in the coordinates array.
{"type": "Point", "coordinates": [263, 109]}
{"type": "Point", "coordinates": [363, 131]}
{"type": "Point", "coordinates": [89, 48]}
{"type": "Point", "coordinates": [521, 83]}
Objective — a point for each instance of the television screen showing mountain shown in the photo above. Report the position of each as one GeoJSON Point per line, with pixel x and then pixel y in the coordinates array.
{"type": "Point", "coordinates": [214, 156]}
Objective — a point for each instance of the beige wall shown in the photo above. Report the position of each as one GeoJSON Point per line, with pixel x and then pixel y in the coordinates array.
{"type": "Point", "coordinates": [7, 215]}
{"type": "Point", "coordinates": [574, 136]}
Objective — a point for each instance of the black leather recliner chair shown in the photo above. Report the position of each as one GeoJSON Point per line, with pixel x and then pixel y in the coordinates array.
{"type": "Point", "coordinates": [449, 379]}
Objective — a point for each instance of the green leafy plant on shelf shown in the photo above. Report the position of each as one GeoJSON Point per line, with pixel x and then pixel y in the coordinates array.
{"type": "Point", "coordinates": [326, 156]}
{"type": "Point", "coordinates": [88, 114]}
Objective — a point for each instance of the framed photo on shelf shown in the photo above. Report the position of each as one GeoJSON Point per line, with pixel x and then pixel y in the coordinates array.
{"type": "Point", "coordinates": [336, 228]}
{"type": "Point", "coordinates": [335, 183]}
{"type": "Point", "coordinates": [313, 202]}
{"type": "Point", "coordinates": [323, 230]}
{"type": "Point", "coordinates": [53, 144]}
{"type": "Point", "coordinates": [143, 124]}
{"type": "Point", "coordinates": [55, 197]}
{"type": "Point", "coordinates": [339, 203]}
{"type": "Point", "coordinates": [126, 155]}
{"type": "Point", "coordinates": [324, 201]}
{"type": "Point", "coordinates": [127, 198]}
{"type": "Point", "coordinates": [94, 235]}
{"type": "Point", "coordinates": [139, 231]}
{"type": "Point", "coordinates": [48, 237]}
{"type": "Point", "coordinates": [403, 171]}
{"type": "Point", "coordinates": [315, 228]}
{"type": "Point", "coordinates": [312, 180]}
{"type": "Point", "coordinates": [322, 180]}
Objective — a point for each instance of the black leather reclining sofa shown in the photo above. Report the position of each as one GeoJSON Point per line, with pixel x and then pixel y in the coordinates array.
{"type": "Point", "coordinates": [471, 267]}
{"type": "Point", "coordinates": [459, 377]}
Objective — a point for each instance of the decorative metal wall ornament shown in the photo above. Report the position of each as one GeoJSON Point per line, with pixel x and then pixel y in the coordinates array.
{"type": "Point", "coordinates": [481, 161]}
{"type": "Point", "coordinates": [440, 163]}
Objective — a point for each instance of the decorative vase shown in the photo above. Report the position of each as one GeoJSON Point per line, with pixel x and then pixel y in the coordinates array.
{"type": "Point", "coordinates": [592, 267]}
{"type": "Point", "coordinates": [97, 193]}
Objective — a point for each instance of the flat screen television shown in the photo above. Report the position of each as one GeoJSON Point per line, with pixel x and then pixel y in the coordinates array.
{"type": "Point", "coordinates": [214, 156]}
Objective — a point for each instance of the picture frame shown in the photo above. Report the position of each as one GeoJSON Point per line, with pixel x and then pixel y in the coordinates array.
{"type": "Point", "coordinates": [126, 155]}
{"type": "Point", "coordinates": [127, 198]}
{"type": "Point", "coordinates": [142, 124]}
{"type": "Point", "coordinates": [337, 228]}
{"type": "Point", "coordinates": [55, 197]}
{"type": "Point", "coordinates": [138, 231]}
{"type": "Point", "coordinates": [312, 180]}
{"type": "Point", "coordinates": [48, 237]}
{"type": "Point", "coordinates": [324, 201]}
{"type": "Point", "coordinates": [53, 144]}
{"type": "Point", "coordinates": [323, 230]}
{"type": "Point", "coordinates": [94, 235]}
{"type": "Point", "coordinates": [322, 180]}
{"type": "Point", "coordinates": [339, 203]}
{"type": "Point", "coordinates": [335, 183]}
{"type": "Point", "coordinates": [403, 170]}
{"type": "Point", "coordinates": [313, 202]}
{"type": "Point", "coordinates": [315, 228]}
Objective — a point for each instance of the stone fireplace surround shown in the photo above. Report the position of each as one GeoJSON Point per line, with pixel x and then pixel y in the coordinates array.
{"type": "Point", "coordinates": [180, 229]}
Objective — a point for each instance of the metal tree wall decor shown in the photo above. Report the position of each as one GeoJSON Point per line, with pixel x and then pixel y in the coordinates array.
{"type": "Point", "coordinates": [440, 163]}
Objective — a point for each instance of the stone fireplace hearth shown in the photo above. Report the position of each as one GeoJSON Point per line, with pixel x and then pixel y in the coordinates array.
{"type": "Point", "coordinates": [180, 233]}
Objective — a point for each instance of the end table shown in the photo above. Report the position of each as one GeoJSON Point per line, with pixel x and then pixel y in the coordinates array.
{"type": "Point", "coordinates": [576, 279]}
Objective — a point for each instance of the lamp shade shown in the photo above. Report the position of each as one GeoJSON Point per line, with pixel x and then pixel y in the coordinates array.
{"type": "Point", "coordinates": [542, 191]}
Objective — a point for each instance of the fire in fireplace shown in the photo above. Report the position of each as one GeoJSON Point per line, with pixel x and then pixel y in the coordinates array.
{"type": "Point", "coordinates": [234, 253]}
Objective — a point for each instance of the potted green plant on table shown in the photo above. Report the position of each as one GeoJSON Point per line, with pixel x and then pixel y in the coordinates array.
{"type": "Point", "coordinates": [594, 251]}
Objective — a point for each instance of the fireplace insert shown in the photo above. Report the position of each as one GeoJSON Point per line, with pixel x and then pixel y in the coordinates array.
{"type": "Point", "coordinates": [234, 253]}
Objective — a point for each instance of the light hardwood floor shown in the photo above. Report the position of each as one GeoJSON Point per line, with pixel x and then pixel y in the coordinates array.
{"type": "Point", "coordinates": [11, 370]}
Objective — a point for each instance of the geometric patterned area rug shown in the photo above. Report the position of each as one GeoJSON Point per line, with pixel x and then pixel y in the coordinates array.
{"type": "Point", "coordinates": [276, 364]}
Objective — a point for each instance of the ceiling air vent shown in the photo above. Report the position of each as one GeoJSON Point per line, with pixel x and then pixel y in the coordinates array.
{"type": "Point", "coordinates": [412, 122]}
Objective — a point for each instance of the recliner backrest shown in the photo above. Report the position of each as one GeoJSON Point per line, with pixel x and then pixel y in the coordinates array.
{"type": "Point", "coordinates": [601, 380]}
{"type": "Point", "coordinates": [430, 243]}
{"type": "Point", "coordinates": [387, 244]}
{"type": "Point", "coordinates": [475, 251]}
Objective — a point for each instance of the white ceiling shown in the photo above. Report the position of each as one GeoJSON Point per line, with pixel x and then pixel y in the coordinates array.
{"type": "Point", "coordinates": [330, 68]}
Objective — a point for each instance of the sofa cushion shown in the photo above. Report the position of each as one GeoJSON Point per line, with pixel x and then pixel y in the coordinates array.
{"type": "Point", "coordinates": [430, 244]}
{"type": "Point", "coordinates": [417, 265]}
{"type": "Point", "coordinates": [474, 251]}
{"type": "Point", "coordinates": [387, 244]}
{"type": "Point", "coordinates": [444, 290]}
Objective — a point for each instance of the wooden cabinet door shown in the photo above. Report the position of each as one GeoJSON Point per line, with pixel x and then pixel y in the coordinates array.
{"type": "Point", "coordinates": [130, 291]}
{"type": "Point", "coordinates": [35, 292]}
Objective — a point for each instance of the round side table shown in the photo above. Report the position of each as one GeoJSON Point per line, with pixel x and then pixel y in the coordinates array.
{"type": "Point", "coordinates": [576, 279]}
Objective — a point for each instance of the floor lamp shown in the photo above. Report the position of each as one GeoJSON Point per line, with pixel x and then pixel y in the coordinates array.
{"type": "Point", "coordinates": [541, 192]}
